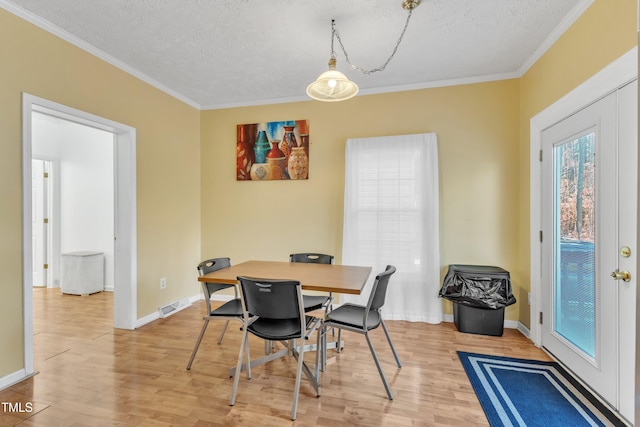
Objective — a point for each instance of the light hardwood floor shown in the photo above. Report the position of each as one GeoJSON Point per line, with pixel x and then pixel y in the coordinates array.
{"type": "Point", "coordinates": [93, 375]}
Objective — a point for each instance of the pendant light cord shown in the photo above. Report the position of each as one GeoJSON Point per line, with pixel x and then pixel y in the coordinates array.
{"type": "Point", "coordinates": [335, 34]}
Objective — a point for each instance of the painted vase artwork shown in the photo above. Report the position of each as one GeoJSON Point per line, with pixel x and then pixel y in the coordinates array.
{"type": "Point", "coordinates": [276, 160]}
{"type": "Point", "coordinates": [298, 166]}
{"type": "Point", "coordinates": [272, 151]}
{"type": "Point", "coordinates": [245, 153]}
{"type": "Point", "coordinates": [262, 147]}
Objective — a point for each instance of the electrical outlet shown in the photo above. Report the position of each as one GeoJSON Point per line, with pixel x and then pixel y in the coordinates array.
{"type": "Point", "coordinates": [163, 282]}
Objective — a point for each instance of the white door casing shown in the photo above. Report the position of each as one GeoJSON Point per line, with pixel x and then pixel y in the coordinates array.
{"type": "Point", "coordinates": [43, 202]}
{"type": "Point", "coordinates": [628, 220]}
{"type": "Point", "coordinates": [612, 77]}
{"type": "Point", "coordinates": [38, 229]}
{"type": "Point", "coordinates": [125, 247]}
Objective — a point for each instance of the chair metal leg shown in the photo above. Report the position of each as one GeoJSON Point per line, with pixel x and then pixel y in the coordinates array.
{"type": "Point", "coordinates": [319, 350]}
{"type": "Point", "coordinates": [322, 350]}
{"type": "Point", "coordinates": [232, 371]}
{"type": "Point", "coordinates": [325, 346]}
{"type": "Point", "coordinates": [224, 329]}
{"type": "Point", "coordinates": [236, 377]}
{"type": "Point", "coordinates": [262, 360]}
{"type": "Point", "coordinates": [393, 349]}
{"type": "Point", "coordinates": [248, 348]}
{"type": "Point", "coordinates": [321, 353]}
{"type": "Point", "coordinates": [296, 390]}
{"type": "Point", "coordinates": [195, 349]}
{"type": "Point", "coordinates": [269, 347]}
{"type": "Point", "coordinates": [328, 309]}
{"type": "Point", "coordinates": [375, 358]}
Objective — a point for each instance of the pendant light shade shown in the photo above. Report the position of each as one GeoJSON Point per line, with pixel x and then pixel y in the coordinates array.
{"type": "Point", "coordinates": [332, 86]}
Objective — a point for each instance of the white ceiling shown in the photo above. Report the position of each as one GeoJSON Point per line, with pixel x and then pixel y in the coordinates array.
{"type": "Point", "coordinates": [224, 53]}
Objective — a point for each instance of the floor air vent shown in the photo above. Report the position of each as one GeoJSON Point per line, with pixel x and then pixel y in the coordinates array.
{"type": "Point", "coordinates": [174, 307]}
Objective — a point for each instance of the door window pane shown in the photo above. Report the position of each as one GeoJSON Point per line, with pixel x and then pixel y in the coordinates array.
{"type": "Point", "coordinates": [574, 240]}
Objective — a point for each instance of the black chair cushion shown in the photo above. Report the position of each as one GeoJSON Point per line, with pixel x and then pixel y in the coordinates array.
{"type": "Point", "coordinates": [229, 308]}
{"type": "Point", "coordinates": [353, 315]}
{"type": "Point", "coordinates": [314, 302]}
{"type": "Point", "coordinates": [215, 287]}
{"type": "Point", "coordinates": [276, 329]}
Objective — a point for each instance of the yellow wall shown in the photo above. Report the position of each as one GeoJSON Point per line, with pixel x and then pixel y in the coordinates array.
{"type": "Point", "coordinates": [189, 210]}
{"type": "Point", "coordinates": [602, 34]}
{"type": "Point", "coordinates": [483, 134]}
{"type": "Point", "coordinates": [168, 148]}
{"type": "Point", "coordinates": [477, 127]}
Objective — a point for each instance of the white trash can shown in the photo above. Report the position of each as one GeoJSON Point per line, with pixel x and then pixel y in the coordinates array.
{"type": "Point", "coordinates": [82, 273]}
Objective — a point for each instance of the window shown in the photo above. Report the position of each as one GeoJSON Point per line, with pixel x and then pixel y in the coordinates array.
{"type": "Point", "coordinates": [391, 217]}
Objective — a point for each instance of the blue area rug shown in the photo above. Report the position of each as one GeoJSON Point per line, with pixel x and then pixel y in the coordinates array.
{"type": "Point", "coordinates": [518, 392]}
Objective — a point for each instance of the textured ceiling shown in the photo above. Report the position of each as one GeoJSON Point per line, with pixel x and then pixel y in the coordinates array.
{"type": "Point", "coordinates": [221, 53]}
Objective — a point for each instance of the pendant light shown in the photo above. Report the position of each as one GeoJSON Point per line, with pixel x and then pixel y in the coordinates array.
{"type": "Point", "coordinates": [332, 85]}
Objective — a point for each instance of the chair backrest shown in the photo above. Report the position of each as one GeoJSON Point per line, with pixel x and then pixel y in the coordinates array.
{"type": "Point", "coordinates": [379, 290]}
{"type": "Point", "coordinates": [213, 264]}
{"type": "Point", "coordinates": [208, 266]}
{"type": "Point", "coordinates": [313, 258]}
{"type": "Point", "coordinates": [272, 299]}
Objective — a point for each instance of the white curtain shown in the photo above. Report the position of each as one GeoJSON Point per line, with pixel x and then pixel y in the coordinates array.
{"type": "Point", "coordinates": [391, 217]}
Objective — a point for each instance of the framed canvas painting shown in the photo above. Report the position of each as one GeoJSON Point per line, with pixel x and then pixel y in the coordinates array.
{"type": "Point", "coordinates": [272, 151]}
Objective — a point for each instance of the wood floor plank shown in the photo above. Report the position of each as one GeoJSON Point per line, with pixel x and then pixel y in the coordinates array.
{"type": "Point", "coordinates": [90, 374]}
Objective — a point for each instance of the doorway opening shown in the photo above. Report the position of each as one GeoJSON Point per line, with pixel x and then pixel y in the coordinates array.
{"type": "Point", "coordinates": [124, 212]}
{"type": "Point", "coordinates": [72, 204]}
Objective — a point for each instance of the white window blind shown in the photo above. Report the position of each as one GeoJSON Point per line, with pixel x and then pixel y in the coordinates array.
{"type": "Point", "coordinates": [391, 217]}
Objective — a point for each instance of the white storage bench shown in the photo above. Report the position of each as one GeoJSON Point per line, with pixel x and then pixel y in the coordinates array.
{"type": "Point", "coordinates": [82, 273]}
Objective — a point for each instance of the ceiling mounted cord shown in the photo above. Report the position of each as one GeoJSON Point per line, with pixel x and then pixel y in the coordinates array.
{"type": "Point", "coordinates": [411, 5]}
{"type": "Point", "coordinates": [332, 85]}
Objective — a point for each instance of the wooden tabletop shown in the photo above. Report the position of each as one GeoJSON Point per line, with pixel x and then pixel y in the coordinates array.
{"type": "Point", "coordinates": [344, 279]}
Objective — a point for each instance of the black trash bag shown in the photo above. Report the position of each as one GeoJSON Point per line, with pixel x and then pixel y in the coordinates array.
{"type": "Point", "coordinates": [479, 286]}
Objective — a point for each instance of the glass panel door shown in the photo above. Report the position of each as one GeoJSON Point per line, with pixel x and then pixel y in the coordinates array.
{"type": "Point", "coordinates": [589, 217]}
{"type": "Point", "coordinates": [575, 235]}
{"type": "Point", "coordinates": [580, 217]}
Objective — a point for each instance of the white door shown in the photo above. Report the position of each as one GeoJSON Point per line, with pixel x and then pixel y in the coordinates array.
{"type": "Point", "coordinates": [39, 227]}
{"type": "Point", "coordinates": [589, 191]}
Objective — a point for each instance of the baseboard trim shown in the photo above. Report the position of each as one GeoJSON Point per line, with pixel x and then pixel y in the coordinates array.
{"type": "Point", "coordinates": [510, 324]}
{"type": "Point", "coordinates": [14, 378]}
{"type": "Point", "coordinates": [524, 330]}
{"type": "Point", "coordinates": [147, 319]}
{"type": "Point", "coordinates": [194, 298]}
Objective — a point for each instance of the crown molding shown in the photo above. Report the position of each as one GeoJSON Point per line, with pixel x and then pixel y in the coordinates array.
{"type": "Point", "coordinates": [567, 22]}
{"type": "Point", "coordinates": [91, 49]}
{"type": "Point", "coordinates": [375, 91]}
{"type": "Point", "coordinates": [553, 37]}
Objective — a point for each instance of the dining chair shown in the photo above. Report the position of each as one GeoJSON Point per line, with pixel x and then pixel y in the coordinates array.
{"type": "Point", "coordinates": [230, 310]}
{"type": "Point", "coordinates": [363, 319]}
{"type": "Point", "coordinates": [314, 302]}
{"type": "Point", "coordinates": [273, 310]}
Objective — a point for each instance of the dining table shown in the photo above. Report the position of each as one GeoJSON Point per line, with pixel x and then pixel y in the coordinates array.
{"type": "Point", "coordinates": [331, 278]}
{"type": "Point", "coordinates": [340, 279]}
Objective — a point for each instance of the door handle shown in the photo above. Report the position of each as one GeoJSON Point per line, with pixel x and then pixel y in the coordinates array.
{"type": "Point", "coordinates": [625, 276]}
